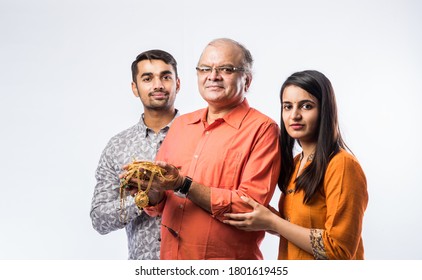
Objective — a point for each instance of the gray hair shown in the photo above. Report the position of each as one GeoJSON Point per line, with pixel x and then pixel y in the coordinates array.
{"type": "Point", "coordinates": [247, 56]}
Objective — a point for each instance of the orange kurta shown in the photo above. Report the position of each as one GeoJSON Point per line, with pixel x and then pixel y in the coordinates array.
{"type": "Point", "coordinates": [237, 155]}
{"type": "Point", "coordinates": [338, 211]}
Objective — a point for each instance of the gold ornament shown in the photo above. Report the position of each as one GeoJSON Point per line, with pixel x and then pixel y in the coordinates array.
{"type": "Point", "coordinates": [143, 171]}
{"type": "Point", "coordinates": [141, 199]}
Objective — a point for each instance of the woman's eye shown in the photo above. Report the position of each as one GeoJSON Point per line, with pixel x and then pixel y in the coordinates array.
{"type": "Point", "coordinates": [307, 106]}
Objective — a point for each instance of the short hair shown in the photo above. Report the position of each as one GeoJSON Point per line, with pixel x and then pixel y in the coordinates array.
{"type": "Point", "coordinates": [247, 56]}
{"type": "Point", "coordinates": [150, 55]}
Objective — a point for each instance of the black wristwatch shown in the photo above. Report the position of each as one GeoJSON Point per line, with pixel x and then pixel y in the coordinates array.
{"type": "Point", "coordinates": [183, 190]}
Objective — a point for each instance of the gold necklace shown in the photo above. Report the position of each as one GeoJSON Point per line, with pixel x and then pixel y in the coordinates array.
{"type": "Point", "coordinates": [310, 157]}
{"type": "Point", "coordinates": [143, 171]}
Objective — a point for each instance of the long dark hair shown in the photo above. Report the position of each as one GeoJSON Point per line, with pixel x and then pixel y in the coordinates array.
{"type": "Point", "coordinates": [329, 140]}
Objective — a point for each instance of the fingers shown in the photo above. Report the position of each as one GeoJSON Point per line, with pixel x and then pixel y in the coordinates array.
{"type": "Point", "coordinates": [237, 221]}
{"type": "Point", "coordinates": [236, 216]}
{"type": "Point", "coordinates": [133, 192]}
{"type": "Point", "coordinates": [125, 167]}
{"type": "Point", "coordinates": [250, 201]}
{"type": "Point", "coordinates": [161, 163]}
{"type": "Point", "coordinates": [161, 178]}
{"type": "Point", "coordinates": [234, 222]}
{"type": "Point", "coordinates": [122, 175]}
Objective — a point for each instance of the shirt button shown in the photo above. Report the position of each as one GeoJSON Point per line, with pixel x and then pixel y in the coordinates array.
{"type": "Point", "coordinates": [195, 156]}
{"type": "Point", "coordinates": [207, 132]}
{"type": "Point", "coordinates": [181, 206]}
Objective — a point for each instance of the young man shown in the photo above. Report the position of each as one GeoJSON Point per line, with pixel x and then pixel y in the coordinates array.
{"type": "Point", "coordinates": [155, 83]}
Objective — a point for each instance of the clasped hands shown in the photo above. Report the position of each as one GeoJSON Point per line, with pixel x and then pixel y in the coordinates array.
{"type": "Point", "coordinates": [152, 177]}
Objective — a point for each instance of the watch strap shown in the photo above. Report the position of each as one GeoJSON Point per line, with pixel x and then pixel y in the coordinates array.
{"type": "Point", "coordinates": [184, 188]}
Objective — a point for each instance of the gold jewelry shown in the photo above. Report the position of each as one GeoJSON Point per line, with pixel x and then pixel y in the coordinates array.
{"type": "Point", "coordinates": [141, 170]}
{"type": "Point", "coordinates": [310, 157]}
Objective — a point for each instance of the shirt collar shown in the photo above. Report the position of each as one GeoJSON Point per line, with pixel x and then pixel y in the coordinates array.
{"type": "Point", "coordinates": [144, 128]}
{"type": "Point", "coordinates": [234, 118]}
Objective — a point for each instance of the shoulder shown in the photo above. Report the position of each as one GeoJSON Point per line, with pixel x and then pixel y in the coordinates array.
{"type": "Point", "coordinates": [134, 129]}
{"type": "Point", "coordinates": [261, 124]}
{"type": "Point", "coordinates": [124, 136]}
{"type": "Point", "coordinates": [344, 158]}
{"type": "Point", "coordinates": [261, 117]}
{"type": "Point", "coordinates": [344, 164]}
{"type": "Point", "coordinates": [187, 118]}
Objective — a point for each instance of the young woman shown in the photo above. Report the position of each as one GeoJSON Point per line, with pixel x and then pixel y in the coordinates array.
{"type": "Point", "coordinates": [324, 192]}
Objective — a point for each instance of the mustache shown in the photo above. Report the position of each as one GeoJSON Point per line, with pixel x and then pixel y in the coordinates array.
{"type": "Point", "coordinates": [158, 90]}
{"type": "Point", "coordinates": [213, 84]}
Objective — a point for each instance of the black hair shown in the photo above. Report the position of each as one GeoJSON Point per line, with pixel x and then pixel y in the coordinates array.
{"type": "Point", "coordinates": [329, 140]}
{"type": "Point", "coordinates": [150, 55]}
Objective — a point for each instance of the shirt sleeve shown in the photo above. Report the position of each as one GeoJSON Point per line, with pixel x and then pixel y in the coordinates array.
{"type": "Point", "coordinates": [156, 210]}
{"type": "Point", "coordinates": [106, 215]}
{"type": "Point", "coordinates": [346, 198]}
{"type": "Point", "coordinates": [258, 178]}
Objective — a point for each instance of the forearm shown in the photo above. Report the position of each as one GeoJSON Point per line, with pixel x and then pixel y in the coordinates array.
{"type": "Point", "coordinates": [298, 235]}
{"type": "Point", "coordinates": [200, 195]}
{"type": "Point", "coordinates": [107, 213]}
{"type": "Point", "coordinates": [108, 217]}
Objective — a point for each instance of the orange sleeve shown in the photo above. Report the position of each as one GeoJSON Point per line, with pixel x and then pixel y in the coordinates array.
{"type": "Point", "coordinates": [156, 210]}
{"type": "Point", "coordinates": [258, 179]}
{"type": "Point", "coordinates": [346, 198]}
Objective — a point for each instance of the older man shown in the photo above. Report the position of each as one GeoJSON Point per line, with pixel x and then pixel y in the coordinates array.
{"type": "Point", "coordinates": [217, 154]}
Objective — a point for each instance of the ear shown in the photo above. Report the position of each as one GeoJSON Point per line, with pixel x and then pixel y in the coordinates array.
{"type": "Point", "coordinates": [135, 89]}
{"type": "Point", "coordinates": [177, 85]}
{"type": "Point", "coordinates": [248, 81]}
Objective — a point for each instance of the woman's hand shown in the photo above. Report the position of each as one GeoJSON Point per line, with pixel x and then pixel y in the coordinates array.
{"type": "Point", "coordinates": [261, 218]}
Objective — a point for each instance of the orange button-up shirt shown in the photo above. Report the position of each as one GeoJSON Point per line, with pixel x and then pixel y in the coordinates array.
{"type": "Point", "coordinates": [338, 210]}
{"type": "Point", "coordinates": [236, 155]}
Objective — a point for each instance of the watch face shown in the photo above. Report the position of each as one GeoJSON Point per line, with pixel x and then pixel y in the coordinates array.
{"type": "Point", "coordinates": [186, 185]}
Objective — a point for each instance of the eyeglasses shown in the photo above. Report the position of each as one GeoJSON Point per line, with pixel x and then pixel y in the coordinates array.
{"type": "Point", "coordinates": [223, 70]}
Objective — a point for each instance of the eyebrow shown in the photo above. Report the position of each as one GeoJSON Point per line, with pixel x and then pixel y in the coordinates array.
{"type": "Point", "coordinates": [222, 65]}
{"type": "Point", "coordinates": [165, 72]}
{"type": "Point", "coordinates": [301, 101]}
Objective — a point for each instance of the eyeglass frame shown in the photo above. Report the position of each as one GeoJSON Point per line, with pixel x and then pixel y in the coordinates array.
{"type": "Point", "coordinates": [220, 69]}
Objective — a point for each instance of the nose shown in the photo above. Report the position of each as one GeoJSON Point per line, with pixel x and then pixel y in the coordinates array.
{"type": "Point", "coordinates": [295, 114]}
{"type": "Point", "coordinates": [157, 84]}
{"type": "Point", "coordinates": [214, 74]}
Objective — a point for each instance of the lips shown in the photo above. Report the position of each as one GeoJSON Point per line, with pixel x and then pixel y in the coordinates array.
{"type": "Point", "coordinates": [158, 94]}
{"type": "Point", "coordinates": [214, 86]}
{"type": "Point", "coordinates": [296, 126]}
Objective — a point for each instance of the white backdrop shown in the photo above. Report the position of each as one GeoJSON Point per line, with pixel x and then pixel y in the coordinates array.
{"type": "Point", "coordinates": [65, 90]}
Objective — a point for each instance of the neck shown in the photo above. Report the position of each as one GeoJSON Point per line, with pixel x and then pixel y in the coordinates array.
{"type": "Point", "coordinates": [307, 154]}
{"type": "Point", "coordinates": [217, 112]}
{"type": "Point", "coordinates": [308, 150]}
{"type": "Point", "coordinates": [156, 119]}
